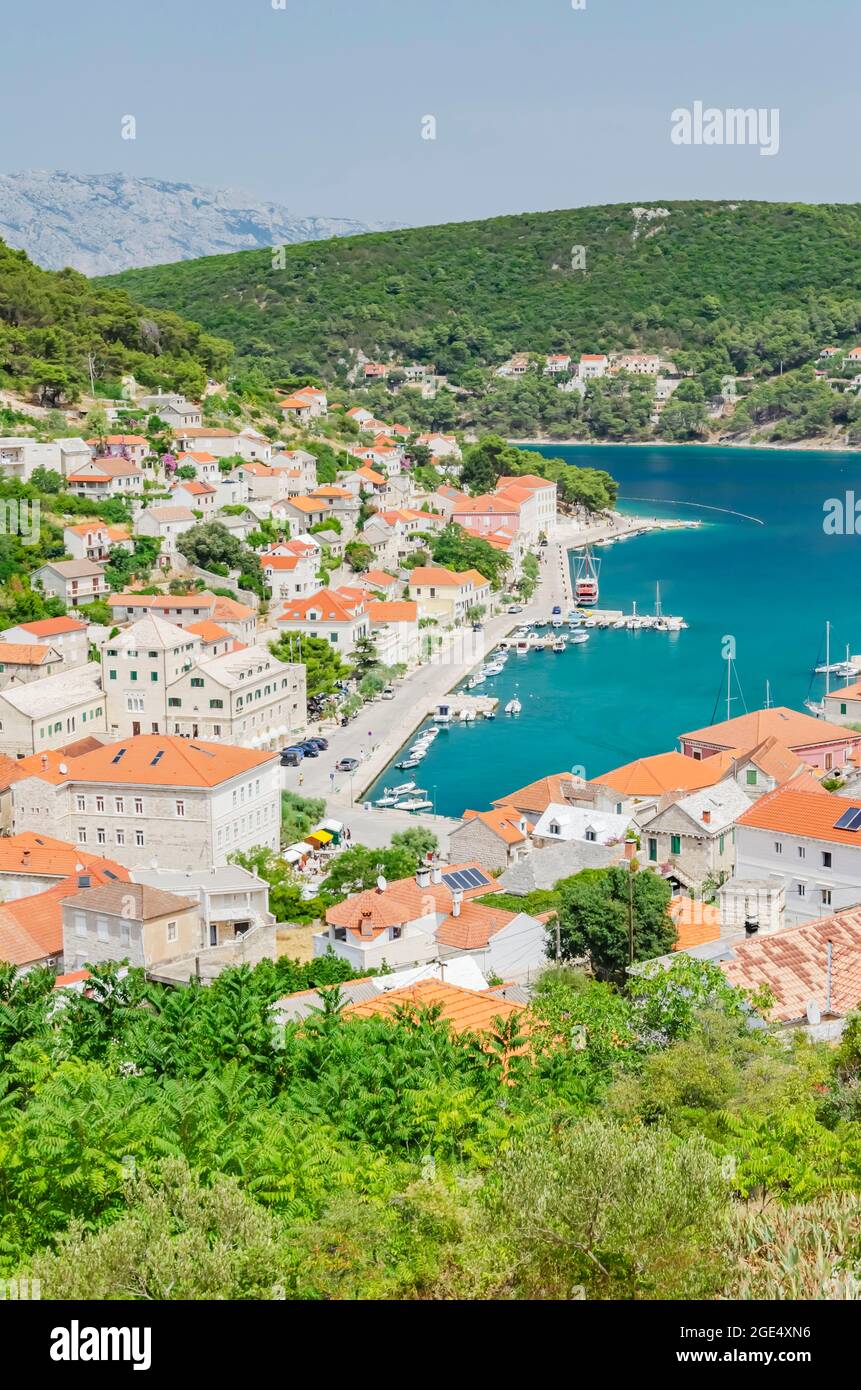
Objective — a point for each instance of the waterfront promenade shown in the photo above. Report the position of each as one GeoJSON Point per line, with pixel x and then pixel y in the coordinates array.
{"type": "Point", "coordinates": [384, 726]}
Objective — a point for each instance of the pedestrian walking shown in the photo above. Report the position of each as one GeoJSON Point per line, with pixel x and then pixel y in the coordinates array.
{"type": "Point", "coordinates": [301, 778]}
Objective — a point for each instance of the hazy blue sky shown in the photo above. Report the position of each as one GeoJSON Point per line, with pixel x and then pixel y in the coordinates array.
{"type": "Point", "coordinates": [319, 105]}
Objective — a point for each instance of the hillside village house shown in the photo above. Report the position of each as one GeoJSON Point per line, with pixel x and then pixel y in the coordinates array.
{"type": "Point", "coordinates": [73, 581]}
{"type": "Point", "coordinates": [31, 863]}
{"type": "Point", "coordinates": [366, 480]}
{"type": "Point", "coordinates": [819, 744]}
{"type": "Point", "coordinates": [248, 698]}
{"type": "Point", "coordinates": [300, 512]}
{"type": "Point", "coordinates": [843, 706]}
{"type": "Point", "coordinates": [805, 840]}
{"type": "Point", "coordinates": [31, 930]}
{"type": "Point", "coordinates": [306, 404]}
{"type": "Point", "coordinates": [434, 916]}
{"type": "Point", "coordinates": [215, 639]}
{"type": "Point", "coordinates": [165, 524]}
{"type": "Point", "coordinates": [170, 800]}
{"type": "Point", "coordinates": [206, 469]}
{"type": "Point", "coordinates": [19, 456]}
{"type": "Point", "coordinates": [93, 540]}
{"type": "Point", "coordinates": [47, 713]}
{"type": "Point", "coordinates": [173, 409]}
{"type": "Point", "coordinates": [22, 662]}
{"type": "Point", "coordinates": [395, 631]}
{"type": "Point", "coordinates": [442, 594]}
{"type": "Point", "coordinates": [197, 497]}
{"type": "Point", "coordinates": [541, 516]}
{"type": "Point", "coordinates": [132, 447]}
{"type": "Point", "coordinates": [289, 576]}
{"type": "Point", "coordinates": [186, 610]}
{"type": "Point", "coordinates": [592, 364]}
{"type": "Point", "coordinates": [264, 484]}
{"type": "Point", "coordinates": [66, 635]}
{"type": "Point", "coordinates": [231, 900]}
{"type": "Point", "coordinates": [299, 463]}
{"type": "Point", "coordinates": [339, 501]}
{"type": "Point", "coordinates": [557, 364]}
{"type": "Point", "coordinates": [638, 363]}
{"type": "Point", "coordinates": [810, 970]}
{"type": "Point", "coordinates": [441, 446]}
{"type": "Point", "coordinates": [496, 838]}
{"type": "Point", "coordinates": [337, 618]}
{"type": "Point", "coordinates": [223, 443]}
{"type": "Point", "coordinates": [137, 667]}
{"type": "Point", "coordinates": [561, 820]}
{"type": "Point", "coordinates": [636, 789]}
{"type": "Point", "coordinates": [106, 477]}
{"type": "Point", "coordinates": [128, 921]}
{"type": "Point", "coordinates": [692, 839]}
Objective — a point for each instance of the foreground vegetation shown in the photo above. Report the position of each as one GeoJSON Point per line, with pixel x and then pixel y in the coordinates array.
{"type": "Point", "coordinates": [640, 1142]}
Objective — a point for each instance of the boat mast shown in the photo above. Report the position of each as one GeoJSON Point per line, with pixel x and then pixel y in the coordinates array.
{"type": "Point", "coordinates": [768, 694]}
{"type": "Point", "coordinates": [827, 658]}
{"type": "Point", "coordinates": [728, 687]}
{"type": "Point", "coordinates": [658, 600]}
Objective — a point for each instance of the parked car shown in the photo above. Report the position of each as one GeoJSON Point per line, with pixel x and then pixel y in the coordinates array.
{"type": "Point", "coordinates": [347, 764]}
{"type": "Point", "coordinates": [310, 750]}
{"type": "Point", "coordinates": [291, 757]}
{"type": "Point", "coordinates": [387, 694]}
{"type": "Point", "coordinates": [476, 627]}
{"type": "Point", "coordinates": [321, 743]}
{"type": "Point", "coordinates": [515, 608]}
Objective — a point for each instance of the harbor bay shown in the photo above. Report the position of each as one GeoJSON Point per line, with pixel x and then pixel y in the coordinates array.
{"type": "Point", "coordinates": [759, 577]}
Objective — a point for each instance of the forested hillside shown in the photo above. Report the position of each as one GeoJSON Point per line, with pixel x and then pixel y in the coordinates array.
{"type": "Point", "coordinates": [727, 286]}
{"type": "Point", "coordinates": [60, 334]}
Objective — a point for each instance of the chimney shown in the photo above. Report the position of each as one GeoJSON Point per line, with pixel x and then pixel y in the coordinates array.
{"type": "Point", "coordinates": [436, 873]}
{"type": "Point", "coordinates": [456, 900]}
{"type": "Point", "coordinates": [25, 858]}
{"type": "Point", "coordinates": [630, 849]}
{"type": "Point", "coordinates": [423, 876]}
{"type": "Point", "coordinates": [365, 925]}
{"type": "Point", "coordinates": [707, 815]}
{"type": "Point", "coordinates": [44, 762]}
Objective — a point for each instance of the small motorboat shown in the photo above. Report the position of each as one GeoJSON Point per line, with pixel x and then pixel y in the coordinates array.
{"type": "Point", "coordinates": [579, 638]}
{"type": "Point", "coordinates": [619, 623]}
{"type": "Point", "coordinates": [387, 800]}
{"type": "Point", "coordinates": [416, 803]}
{"type": "Point", "coordinates": [557, 621]}
{"type": "Point", "coordinates": [407, 763]}
{"type": "Point", "coordinates": [522, 646]}
{"type": "Point", "coordinates": [558, 645]}
{"type": "Point", "coordinates": [591, 622]}
{"type": "Point", "coordinates": [403, 790]}
{"type": "Point", "coordinates": [478, 679]}
{"type": "Point", "coordinates": [514, 706]}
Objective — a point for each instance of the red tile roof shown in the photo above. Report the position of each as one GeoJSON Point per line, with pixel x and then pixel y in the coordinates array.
{"type": "Point", "coordinates": [794, 964]}
{"type": "Point", "coordinates": [467, 1010]}
{"type": "Point", "coordinates": [792, 812]}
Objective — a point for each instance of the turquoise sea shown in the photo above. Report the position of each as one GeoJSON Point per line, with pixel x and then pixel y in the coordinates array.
{"type": "Point", "coordinates": [761, 569]}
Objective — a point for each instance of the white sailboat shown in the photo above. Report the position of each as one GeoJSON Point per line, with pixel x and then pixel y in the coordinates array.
{"type": "Point", "coordinates": [514, 706]}
{"type": "Point", "coordinates": [817, 707]}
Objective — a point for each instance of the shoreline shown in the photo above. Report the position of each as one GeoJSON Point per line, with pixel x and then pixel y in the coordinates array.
{"type": "Point", "coordinates": [799, 446]}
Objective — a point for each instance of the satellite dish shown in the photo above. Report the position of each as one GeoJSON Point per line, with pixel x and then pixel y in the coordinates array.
{"type": "Point", "coordinates": [79, 868]}
{"type": "Point", "coordinates": [814, 1014]}
{"type": "Point", "coordinates": [381, 883]}
{"type": "Point", "coordinates": [63, 769]}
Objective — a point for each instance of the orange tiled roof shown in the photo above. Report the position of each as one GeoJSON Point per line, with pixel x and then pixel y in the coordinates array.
{"type": "Point", "coordinates": [196, 489]}
{"type": "Point", "coordinates": [696, 922]}
{"type": "Point", "coordinates": [230, 609]}
{"type": "Point", "coordinates": [198, 457]}
{"type": "Point", "coordinates": [378, 579]}
{"type": "Point", "coordinates": [504, 821]}
{"type": "Point", "coordinates": [24, 654]}
{"type": "Point", "coordinates": [201, 600]}
{"type": "Point", "coordinates": [394, 611]}
{"type": "Point", "coordinates": [793, 963]}
{"type": "Point", "coordinates": [52, 627]}
{"type": "Point", "coordinates": [537, 796]}
{"type": "Point", "coordinates": [332, 606]}
{"type": "Point", "coordinates": [472, 929]}
{"type": "Point", "coordinates": [666, 772]}
{"type": "Point", "coordinates": [159, 760]}
{"type": "Point", "coordinates": [301, 504]}
{"type": "Point", "coordinates": [31, 929]}
{"type": "Point", "coordinates": [279, 562]}
{"type": "Point", "coordinates": [29, 853]}
{"type": "Point", "coordinates": [209, 631]}
{"type": "Point", "coordinates": [788, 726]}
{"type": "Point", "coordinates": [467, 1010]}
{"type": "Point", "coordinates": [794, 812]}
{"type": "Point", "coordinates": [402, 901]}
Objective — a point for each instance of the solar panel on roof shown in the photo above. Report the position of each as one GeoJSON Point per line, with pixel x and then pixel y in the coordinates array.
{"type": "Point", "coordinates": [117, 756]}
{"type": "Point", "coordinates": [850, 820]}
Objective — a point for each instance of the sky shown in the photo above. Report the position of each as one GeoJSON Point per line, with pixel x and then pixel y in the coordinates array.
{"type": "Point", "coordinates": [320, 105]}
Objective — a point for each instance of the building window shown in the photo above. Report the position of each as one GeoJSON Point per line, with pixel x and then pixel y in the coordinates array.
{"type": "Point", "coordinates": [653, 850]}
{"type": "Point", "coordinates": [100, 803]}
{"type": "Point", "coordinates": [125, 933]}
{"type": "Point", "coordinates": [80, 924]}
{"type": "Point", "coordinates": [721, 843]}
{"type": "Point", "coordinates": [138, 805]}
{"type": "Point", "coordinates": [121, 837]}
{"type": "Point", "coordinates": [102, 929]}
{"type": "Point", "coordinates": [801, 889]}
{"type": "Point", "coordinates": [120, 804]}
{"type": "Point", "coordinates": [216, 704]}
{"type": "Point", "coordinates": [196, 680]}
{"type": "Point", "coordinates": [112, 675]}
{"type": "Point", "coordinates": [778, 846]}
{"type": "Point", "coordinates": [82, 803]}
{"type": "Point", "coordinates": [802, 852]}
{"type": "Point", "coordinates": [751, 777]}
{"type": "Point", "coordinates": [171, 931]}
{"type": "Point", "coordinates": [153, 675]}
{"type": "Point", "coordinates": [675, 844]}
{"type": "Point", "coordinates": [825, 896]}
{"type": "Point", "coordinates": [100, 835]}
{"type": "Point", "coordinates": [174, 702]}
{"type": "Point", "coordinates": [842, 708]}
{"type": "Point", "coordinates": [180, 808]}
{"type": "Point", "coordinates": [826, 859]}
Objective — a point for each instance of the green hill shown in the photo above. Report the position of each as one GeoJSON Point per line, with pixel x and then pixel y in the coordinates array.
{"type": "Point", "coordinates": [57, 325]}
{"type": "Point", "coordinates": [738, 286]}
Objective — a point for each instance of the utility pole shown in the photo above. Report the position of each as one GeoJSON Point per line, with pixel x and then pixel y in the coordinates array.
{"type": "Point", "coordinates": [558, 941]}
{"type": "Point", "coordinates": [630, 915]}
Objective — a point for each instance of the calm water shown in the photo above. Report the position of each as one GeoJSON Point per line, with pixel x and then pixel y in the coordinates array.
{"type": "Point", "coordinates": [623, 695]}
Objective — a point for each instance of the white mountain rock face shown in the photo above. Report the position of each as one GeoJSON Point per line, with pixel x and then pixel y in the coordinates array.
{"type": "Point", "coordinates": [104, 223]}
